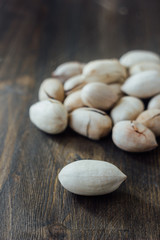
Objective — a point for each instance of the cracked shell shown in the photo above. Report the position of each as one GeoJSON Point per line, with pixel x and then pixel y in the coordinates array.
{"type": "Point", "coordinates": [73, 84]}
{"type": "Point", "coordinates": [90, 122]}
{"type": "Point", "coordinates": [151, 119]}
{"type": "Point", "coordinates": [67, 70]}
{"type": "Point", "coordinates": [51, 88]}
{"type": "Point", "coordinates": [73, 101]}
{"type": "Point", "coordinates": [133, 137]}
{"type": "Point", "coordinates": [49, 115]}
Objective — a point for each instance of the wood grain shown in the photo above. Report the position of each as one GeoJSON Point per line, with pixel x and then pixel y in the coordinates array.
{"type": "Point", "coordinates": [35, 37]}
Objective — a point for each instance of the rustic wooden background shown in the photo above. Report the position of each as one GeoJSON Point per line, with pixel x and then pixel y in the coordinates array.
{"type": "Point", "coordinates": [35, 37]}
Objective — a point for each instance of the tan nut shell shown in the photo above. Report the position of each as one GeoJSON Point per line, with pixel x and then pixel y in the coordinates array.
{"type": "Point", "coordinates": [51, 88]}
{"type": "Point", "coordinates": [107, 71]}
{"type": "Point", "coordinates": [74, 84]}
{"type": "Point", "coordinates": [116, 87]}
{"type": "Point", "coordinates": [68, 70]}
{"type": "Point", "coordinates": [144, 66]}
{"type": "Point", "coordinates": [73, 101]}
{"type": "Point", "coordinates": [91, 177]}
{"type": "Point", "coordinates": [143, 85]}
{"type": "Point", "coordinates": [127, 108]}
{"type": "Point", "coordinates": [49, 115]}
{"type": "Point", "coordinates": [154, 103]}
{"type": "Point", "coordinates": [133, 137]}
{"type": "Point", "coordinates": [151, 119]}
{"type": "Point", "coordinates": [90, 122]}
{"type": "Point", "coordinates": [136, 56]}
{"type": "Point", "coordinates": [98, 95]}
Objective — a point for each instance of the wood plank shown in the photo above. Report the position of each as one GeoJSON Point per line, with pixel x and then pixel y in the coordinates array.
{"type": "Point", "coordinates": [36, 36]}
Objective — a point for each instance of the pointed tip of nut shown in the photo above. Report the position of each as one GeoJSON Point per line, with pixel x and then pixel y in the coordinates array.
{"type": "Point", "coordinates": [124, 177]}
{"type": "Point", "coordinates": [156, 144]}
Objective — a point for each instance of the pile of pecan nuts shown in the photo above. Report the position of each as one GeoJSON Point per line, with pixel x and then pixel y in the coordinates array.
{"type": "Point", "coordinates": [104, 95]}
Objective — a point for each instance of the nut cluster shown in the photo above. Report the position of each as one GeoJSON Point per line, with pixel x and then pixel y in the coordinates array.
{"type": "Point", "coordinates": [93, 97]}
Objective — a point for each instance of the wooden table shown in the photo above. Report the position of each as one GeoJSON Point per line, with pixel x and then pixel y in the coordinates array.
{"type": "Point", "coordinates": [35, 37]}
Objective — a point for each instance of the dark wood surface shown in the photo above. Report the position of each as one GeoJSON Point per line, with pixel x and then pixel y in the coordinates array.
{"type": "Point", "coordinates": [35, 37]}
